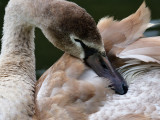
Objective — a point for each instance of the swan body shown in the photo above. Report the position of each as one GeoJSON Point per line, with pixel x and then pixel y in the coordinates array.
{"type": "Point", "coordinates": [72, 91]}
{"type": "Point", "coordinates": [59, 92]}
{"type": "Point", "coordinates": [61, 22]}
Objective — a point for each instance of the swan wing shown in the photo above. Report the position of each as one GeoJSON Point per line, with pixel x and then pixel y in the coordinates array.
{"type": "Point", "coordinates": [144, 49]}
{"type": "Point", "coordinates": [119, 34]}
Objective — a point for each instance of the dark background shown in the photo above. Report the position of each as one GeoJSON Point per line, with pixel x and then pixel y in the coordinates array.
{"type": "Point", "coordinates": [47, 54]}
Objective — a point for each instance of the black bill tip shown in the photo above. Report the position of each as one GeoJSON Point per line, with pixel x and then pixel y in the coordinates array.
{"type": "Point", "coordinates": [123, 90]}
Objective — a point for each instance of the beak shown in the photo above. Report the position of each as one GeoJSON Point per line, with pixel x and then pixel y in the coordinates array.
{"type": "Point", "coordinates": [102, 66]}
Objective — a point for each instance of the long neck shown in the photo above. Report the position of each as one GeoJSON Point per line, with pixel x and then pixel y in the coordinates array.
{"type": "Point", "coordinates": [17, 68]}
{"type": "Point", "coordinates": [18, 45]}
{"type": "Point", "coordinates": [18, 42]}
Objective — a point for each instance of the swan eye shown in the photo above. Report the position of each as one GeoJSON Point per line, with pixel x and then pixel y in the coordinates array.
{"type": "Point", "coordinates": [87, 50]}
{"type": "Point", "coordinates": [77, 40]}
{"type": "Point", "coordinates": [82, 44]}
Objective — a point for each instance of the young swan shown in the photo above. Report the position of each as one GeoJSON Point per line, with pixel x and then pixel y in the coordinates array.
{"type": "Point", "coordinates": [70, 91]}
{"type": "Point", "coordinates": [67, 26]}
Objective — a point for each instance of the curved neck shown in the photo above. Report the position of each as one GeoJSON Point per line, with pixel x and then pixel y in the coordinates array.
{"type": "Point", "coordinates": [18, 46]}
{"type": "Point", "coordinates": [17, 66]}
{"type": "Point", "coordinates": [18, 42]}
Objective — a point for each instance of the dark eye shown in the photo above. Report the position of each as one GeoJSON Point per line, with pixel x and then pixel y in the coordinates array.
{"type": "Point", "coordinates": [82, 44]}
{"type": "Point", "coordinates": [77, 40]}
{"type": "Point", "coordinates": [88, 50]}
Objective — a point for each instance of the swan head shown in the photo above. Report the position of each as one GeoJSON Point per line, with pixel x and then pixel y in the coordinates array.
{"type": "Point", "coordinates": [69, 26]}
{"type": "Point", "coordinates": [71, 29]}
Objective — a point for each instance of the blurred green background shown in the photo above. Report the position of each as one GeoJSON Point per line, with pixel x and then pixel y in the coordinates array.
{"type": "Point", "coordinates": [47, 54]}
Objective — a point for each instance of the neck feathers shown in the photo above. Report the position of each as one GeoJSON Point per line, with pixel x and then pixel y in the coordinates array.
{"type": "Point", "coordinates": [17, 66]}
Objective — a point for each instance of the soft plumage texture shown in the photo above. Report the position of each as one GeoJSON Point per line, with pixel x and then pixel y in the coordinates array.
{"type": "Point", "coordinates": [68, 94]}
{"type": "Point", "coordinates": [17, 69]}
{"type": "Point", "coordinates": [58, 90]}
{"type": "Point", "coordinates": [142, 98]}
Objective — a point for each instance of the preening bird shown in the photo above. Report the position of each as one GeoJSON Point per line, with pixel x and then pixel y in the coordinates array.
{"type": "Point", "coordinates": [67, 26]}
{"type": "Point", "coordinates": [137, 59]}
{"type": "Point", "coordinates": [71, 90]}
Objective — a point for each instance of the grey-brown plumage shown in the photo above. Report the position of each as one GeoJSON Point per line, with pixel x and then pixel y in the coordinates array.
{"type": "Point", "coordinates": [65, 24]}
{"type": "Point", "coordinates": [72, 90]}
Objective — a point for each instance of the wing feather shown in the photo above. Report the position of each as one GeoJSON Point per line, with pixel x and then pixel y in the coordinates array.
{"type": "Point", "coordinates": [119, 34]}
{"type": "Point", "coordinates": [144, 49]}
